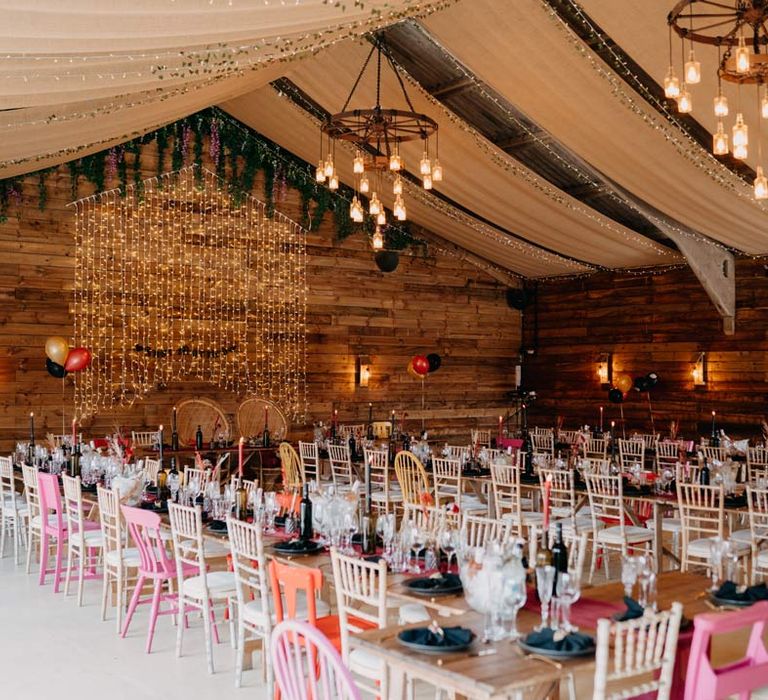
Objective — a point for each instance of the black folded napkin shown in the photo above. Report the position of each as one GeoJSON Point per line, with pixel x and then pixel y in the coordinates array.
{"type": "Point", "coordinates": [297, 546]}
{"type": "Point", "coordinates": [729, 591]}
{"type": "Point", "coordinates": [735, 501]}
{"type": "Point", "coordinates": [435, 584]}
{"type": "Point", "coordinates": [217, 525]}
{"type": "Point", "coordinates": [452, 636]}
{"type": "Point", "coordinates": [545, 639]}
{"type": "Point", "coordinates": [633, 611]}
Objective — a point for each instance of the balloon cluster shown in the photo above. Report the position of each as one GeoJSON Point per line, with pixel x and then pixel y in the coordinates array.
{"type": "Point", "coordinates": [62, 359]}
{"type": "Point", "coordinates": [420, 366]}
{"type": "Point", "coordinates": [624, 383]}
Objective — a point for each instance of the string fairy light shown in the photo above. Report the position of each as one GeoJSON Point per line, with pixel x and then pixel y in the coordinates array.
{"type": "Point", "coordinates": [169, 278]}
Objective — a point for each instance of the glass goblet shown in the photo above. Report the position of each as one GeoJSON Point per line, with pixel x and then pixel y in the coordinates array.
{"type": "Point", "coordinates": [545, 579]}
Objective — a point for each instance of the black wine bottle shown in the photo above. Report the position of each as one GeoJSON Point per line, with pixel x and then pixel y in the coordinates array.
{"type": "Point", "coordinates": [199, 438]}
{"type": "Point", "coordinates": [175, 441]}
{"type": "Point", "coordinates": [305, 515]}
{"type": "Point", "coordinates": [543, 553]}
{"type": "Point", "coordinates": [241, 502]}
{"type": "Point", "coordinates": [704, 474]}
{"type": "Point", "coordinates": [173, 473]}
{"type": "Point", "coordinates": [559, 555]}
{"type": "Point", "coordinates": [265, 437]}
{"type": "Point", "coordinates": [528, 448]}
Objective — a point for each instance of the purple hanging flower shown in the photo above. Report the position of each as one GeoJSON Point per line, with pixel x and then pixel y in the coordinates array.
{"type": "Point", "coordinates": [186, 139]}
{"type": "Point", "coordinates": [112, 160]}
{"type": "Point", "coordinates": [283, 184]}
{"type": "Point", "coordinates": [15, 194]}
{"type": "Point", "coordinates": [215, 144]}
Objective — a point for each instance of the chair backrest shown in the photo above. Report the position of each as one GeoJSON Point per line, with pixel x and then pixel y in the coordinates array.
{"type": "Point", "coordinates": [562, 492]}
{"type": "Point", "coordinates": [341, 464]}
{"type": "Point", "coordinates": [505, 479]}
{"type": "Point", "coordinates": [110, 520]}
{"type": "Point", "coordinates": [667, 454]}
{"type": "Point", "coordinates": [480, 437]}
{"type": "Point", "coordinates": [310, 460]}
{"type": "Point", "coordinates": [382, 429]}
{"type": "Point", "coordinates": [31, 492]}
{"type": "Point", "coordinates": [378, 468]}
{"type": "Point", "coordinates": [361, 595]}
{"type": "Point", "coordinates": [569, 437]}
{"type": "Point", "coordinates": [8, 495]}
{"type": "Point", "coordinates": [249, 565]}
{"type": "Point", "coordinates": [701, 511]}
{"type": "Point", "coordinates": [631, 452]}
{"type": "Point", "coordinates": [430, 518]}
{"type": "Point", "coordinates": [202, 477]}
{"type": "Point", "coordinates": [595, 448]}
{"type": "Point", "coordinates": [306, 665]}
{"type": "Point", "coordinates": [447, 477]}
{"type": "Point", "coordinates": [144, 438]}
{"type": "Point", "coordinates": [543, 444]}
{"type": "Point", "coordinates": [50, 503]}
{"type": "Point", "coordinates": [357, 430]}
{"type": "Point", "coordinates": [413, 479]}
{"type": "Point", "coordinates": [151, 469]}
{"type": "Point", "coordinates": [73, 502]}
{"type": "Point", "coordinates": [702, 680]}
{"type": "Point", "coordinates": [460, 452]}
{"type": "Point", "coordinates": [144, 528]}
{"type": "Point", "coordinates": [634, 649]}
{"type": "Point", "coordinates": [649, 440]}
{"type": "Point", "coordinates": [758, 516]}
{"type": "Point", "coordinates": [757, 463]}
{"type": "Point", "coordinates": [719, 454]}
{"type": "Point", "coordinates": [537, 430]}
{"type": "Point", "coordinates": [250, 485]}
{"type": "Point", "coordinates": [188, 545]}
{"type": "Point", "coordinates": [286, 582]}
{"type": "Point", "coordinates": [476, 530]}
{"type": "Point", "coordinates": [576, 544]}
{"type": "Point", "coordinates": [606, 499]}
{"type": "Point", "coordinates": [293, 475]}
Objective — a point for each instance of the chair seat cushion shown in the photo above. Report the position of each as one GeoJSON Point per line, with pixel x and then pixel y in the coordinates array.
{"type": "Point", "coordinates": [633, 534]}
{"type": "Point", "coordinates": [746, 535]}
{"type": "Point", "coordinates": [366, 664]}
{"type": "Point", "coordinates": [381, 497]}
{"type": "Point", "coordinates": [221, 584]}
{"type": "Point", "coordinates": [253, 611]}
{"type": "Point", "coordinates": [130, 557]}
{"type": "Point", "coordinates": [667, 525]}
{"type": "Point", "coordinates": [37, 521]}
{"type": "Point", "coordinates": [700, 548]}
{"type": "Point", "coordinates": [93, 538]}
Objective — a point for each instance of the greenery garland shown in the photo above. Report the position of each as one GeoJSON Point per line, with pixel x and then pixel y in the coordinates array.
{"type": "Point", "coordinates": [245, 152]}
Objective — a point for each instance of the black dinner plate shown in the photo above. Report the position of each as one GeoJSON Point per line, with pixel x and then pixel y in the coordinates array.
{"type": "Point", "coordinates": [717, 600]}
{"type": "Point", "coordinates": [404, 639]}
{"type": "Point", "coordinates": [557, 653]}
{"type": "Point", "coordinates": [413, 587]}
{"type": "Point", "coordinates": [293, 547]}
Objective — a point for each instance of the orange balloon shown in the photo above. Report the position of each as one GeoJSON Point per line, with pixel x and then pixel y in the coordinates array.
{"type": "Point", "coordinates": [57, 349]}
{"type": "Point", "coordinates": [624, 382]}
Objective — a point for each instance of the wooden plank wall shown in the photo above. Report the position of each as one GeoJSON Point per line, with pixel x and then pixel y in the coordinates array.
{"type": "Point", "coordinates": [434, 302]}
{"type": "Point", "coordinates": [651, 323]}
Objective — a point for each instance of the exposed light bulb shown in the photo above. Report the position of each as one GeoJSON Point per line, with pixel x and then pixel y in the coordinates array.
{"type": "Point", "coordinates": [425, 166]}
{"type": "Point", "coordinates": [320, 172]}
{"type": "Point", "coordinates": [399, 209]}
{"type": "Point", "coordinates": [427, 182]}
{"type": "Point", "coordinates": [437, 171]}
{"type": "Point", "coordinates": [381, 218]}
{"type": "Point", "coordinates": [764, 107]}
{"type": "Point", "coordinates": [365, 185]}
{"type": "Point", "coordinates": [329, 167]}
{"type": "Point", "coordinates": [356, 210]}
{"type": "Point", "coordinates": [671, 84]}
{"type": "Point", "coordinates": [740, 132]}
{"type": "Point", "coordinates": [720, 141]}
{"type": "Point", "coordinates": [333, 182]}
{"type": "Point", "coordinates": [761, 184]}
{"type": "Point", "coordinates": [742, 57]}
{"type": "Point", "coordinates": [692, 69]}
{"type": "Point", "coordinates": [377, 240]}
{"type": "Point", "coordinates": [721, 106]}
{"type": "Point", "coordinates": [684, 102]}
{"type": "Point", "coordinates": [374, 208]}
{"type": "Point", "coordinates": [740, 152]}
{"type": "Point", "coordinates": [397, 185]}
{"type": "Point", "coordinates": [358, 164]}
{"type": "Point", "coordinates": [395, 162]}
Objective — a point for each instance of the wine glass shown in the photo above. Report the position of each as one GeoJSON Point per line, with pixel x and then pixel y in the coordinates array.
{"type": "Point", "coordinates": [545, 579]}
{"type": "Point", "coordinates": [514, 596]}
{"type": "Point", "coordinates": [350, 527]}
{"type": "Point", "coordinates": [568, 591]}
{"type": "Point", "coordinates": [448, 540]}
{"type": "Point", "coordinates": [385, 529]}
{"type": "Point", "coordinates": [628, 574]}
{"type": "Point", "coordinates": [271, 508]}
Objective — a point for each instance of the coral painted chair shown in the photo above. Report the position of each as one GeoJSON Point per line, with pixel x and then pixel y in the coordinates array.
{"type": "Point", "coordinates": [307, 667]}
{"type": "Point", "coordinates": [703, 682]}
{"type": "Point", "coordinates": [155, 566]}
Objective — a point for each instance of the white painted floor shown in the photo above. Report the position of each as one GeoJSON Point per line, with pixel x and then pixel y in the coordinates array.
{"type": "Point", "coordinates": [50, 648]}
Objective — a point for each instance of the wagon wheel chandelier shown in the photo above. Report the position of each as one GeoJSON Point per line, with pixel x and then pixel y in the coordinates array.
{"type": "Point", "coordinates": [377, 134]}
{"type": "Point", "coordinates": [739, 30]}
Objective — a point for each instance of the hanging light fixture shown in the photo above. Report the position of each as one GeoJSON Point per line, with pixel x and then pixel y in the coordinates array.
{"type": "Point", "coordinates": [377, 133]}
{"type": "Point", "coordinates": [377, 240]}
{"type": "Point", "coordinates": [739, 30]}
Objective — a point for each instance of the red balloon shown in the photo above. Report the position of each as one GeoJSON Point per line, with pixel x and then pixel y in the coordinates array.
{"type": "Point", "coordinates": [78, 358]}
{"type": "Point", "coordinates": [420, 365]}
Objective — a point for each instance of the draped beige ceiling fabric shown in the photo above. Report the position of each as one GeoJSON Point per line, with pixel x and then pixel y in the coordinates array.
{"type": "Point", "coordinates": [81, 76]}
{"type": "Point", "coordinates": [525, 53]}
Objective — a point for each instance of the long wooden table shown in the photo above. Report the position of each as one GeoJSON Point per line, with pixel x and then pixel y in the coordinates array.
{"type": "Point", "coordinates": [508, 670]}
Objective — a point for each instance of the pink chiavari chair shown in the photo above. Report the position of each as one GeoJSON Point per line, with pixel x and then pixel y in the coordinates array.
{"type": "Point", "coordinates": [53, 526]}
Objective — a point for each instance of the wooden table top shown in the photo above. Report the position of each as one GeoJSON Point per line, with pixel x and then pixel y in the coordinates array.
{"type": "Point", "coordinates": [509, 668]}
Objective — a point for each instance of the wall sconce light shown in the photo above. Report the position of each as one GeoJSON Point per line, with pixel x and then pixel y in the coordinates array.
{"type": "Point", "coordinates": [605, 369]}
{"type": "Point", "coordinates": [362, 370]}
{"type": "Point", "coordinates": [700, 370]}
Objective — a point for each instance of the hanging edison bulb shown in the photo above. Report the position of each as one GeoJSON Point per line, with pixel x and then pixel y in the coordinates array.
{"type": "Point", "coordinates": [692, 69]}
{"type": "Point", "coordinates": [742, 57]}
{"type": "Point", "coordinates": [381, 218]}
{"type": "Point", "coordinates": [377, 240]}
{"type": "Point", "coordinates": [320, 172]}
{"type": "Point", "coordinates": [333, 182]}
{"type": "Point", "coordinates": [761, 184]}
{"type": "Point", "coordinates": [740, 132]}
{"type": "Point", "coordinates": [437, 171]}
{"type": "Point", "coordinates": [395, 162]}
{"type": "Point", "coordinates": [740, 152]}
{"type": "Point", "coordinates": [425, 166]}
{"type": "Point", "coordinates": [427, 182]}
{"type": "Point", "coordinates": [328, 167]}
{"type": "Point", "coordinates": [720, 141]}
{"type": "Point", "coordinates": [399, 209]}
{"type": "Point", "coordinates": [397, 185]}
{"type": "Point", "coordinates": [721, 106]}
{"type": "Point", "coordinates": [365, 185]}
{"type": "Point", "coordinates": [764, 107]}
{"type": "Point", "coordinates": [671, 84]}
{"type": "Point", "coordinates": [358, 164]}
{"type": "Point", "coordinates": [374, 208]}
{"type": "Point", "coordinates": [356, 210]}
{"type": "Point", "coordinates": [684, 101]}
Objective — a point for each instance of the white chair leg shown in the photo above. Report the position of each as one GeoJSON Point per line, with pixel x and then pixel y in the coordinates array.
{"type": "Point", "coordinates": [70, 549]}
{"type": "Point", "coordinates": [2, 534]}
{"type": "Point", "coordinates": [30, 547]}
{"type": "Point", "coordinates": [232, 632]}
{"type": "Point", "coordinates": [81, 575]}
{"type": "Point", "coordinates": [207, 631]}
{"type": "Point", "coordinates": [239, 658]}
{"type": "Point", "coordinates": [181, 622]}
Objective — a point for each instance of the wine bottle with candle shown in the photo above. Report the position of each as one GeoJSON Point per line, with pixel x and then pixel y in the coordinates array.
{"type": "Point", "coordinates": [714, 439]}
{"type": "Point", "coordinates": [174, 432]}
{"type": "Point", "coordinates": [369, 431]}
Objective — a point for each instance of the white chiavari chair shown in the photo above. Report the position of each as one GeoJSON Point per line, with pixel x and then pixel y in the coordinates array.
{"type": "Point", "coordinates": [595, 448]}
{"type": "Point", "coordinates": [14, 511]}
{"type": "Point", "coordinates": [640, 651]}
{"type": "Point", "coordinates": [309, 454]}
{"type": "Point", "coordinates": [508, 500]}
{"type": "Point", "coordinates": [460, 452]}
{"type": "Point", "coordinates": [718, 454]}
{"type": "Point", "coordinates": [382, 429]}
{"type": "Point", "coordinates": [543, 444]}
{"type": "Point", "coordinates": [631, 452]}
{"type": "Point", "coordinates": [356, 431]}
{"type": "Point", "coordinates": [606, 503]}
{"type": "Point", "coordinates": [492, 453]}
{"type": "Point", "coordinates": [649, 440]}
{"type": "Point", "coordinates": [476, 530]}
{"type": "Point", "coordinates": [757, 464]}
{"type": "Point", "coordinates": [449, 487]}
{"type": "Point", "coordinates": [758, 528]}
{"type": "Point", "coordinates": [568, 437]}
{"type": "Point", "coordinates": [144, 438]}
{"type": "Point", "coordinates": [34, 517]}
{"type": "Point", "coordinates": [197, 477]}
{"type": "Point", "coordinates": [83, 541]}
{"type": "Point", "coordinates": [576, 545]}
{"type": "Point", "coordinates": [250, 485]}
{"type": "Point", "coordinates": [341, 465]}
{"type": "Point", "coordinates": [431, 518]}
{"type": "Point", "coordinates": [562, 500]}
{"type": "Point", "coordinates": [667, 455]}
{"type": "Point", "coordinates": [151, 469]}
{"type": "Point", "coordinates": [204, 589]}
{"type": "Point", "coordinates": [293, 474]}
{"type": "Point", "coordinates": [413, 479]}
{"type": "Point", "coordinates": [254, 613]}
{"type": "Point", "coordinates": [480, 437]}
{"type": "Point", "coordinates": [385, 495]}
{"type": "Point", "coordinates": [538, 430]}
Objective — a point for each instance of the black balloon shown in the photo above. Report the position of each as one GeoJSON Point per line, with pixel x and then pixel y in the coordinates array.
{"type": "Point", "coordinates": [55, 369]}
{"type": "Point", "coordinates": [387, 260]}
{"type": "Point", "coordinates": [434, 361]}
{"type": "Point", "coordinates": [615, 395]}
{"type": "Point", "coordinates": [641, 384]}
{"type": "Point", "coordinates": [652, 379]}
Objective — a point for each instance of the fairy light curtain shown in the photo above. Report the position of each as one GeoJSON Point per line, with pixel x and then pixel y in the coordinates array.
{"type": "Point", "coordinates": [178, 279]}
